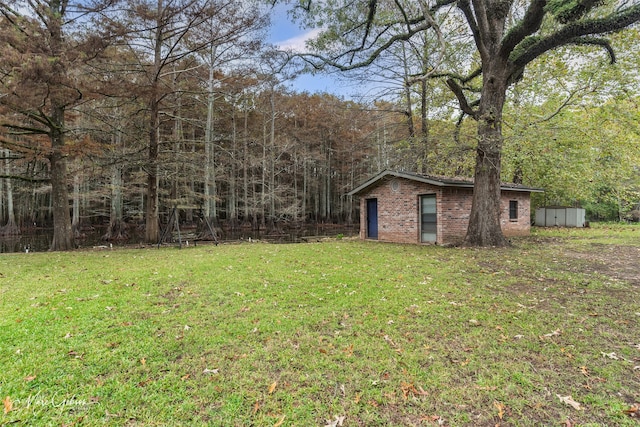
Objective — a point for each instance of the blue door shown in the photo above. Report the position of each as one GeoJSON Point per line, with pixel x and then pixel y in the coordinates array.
{"type": "Point", "coordinates": [372, 218]}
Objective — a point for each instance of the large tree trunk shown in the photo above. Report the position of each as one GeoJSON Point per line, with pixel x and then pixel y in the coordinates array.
{"type": "Point", "coordinates": [245, 161]}
{"type": "Point", "coordinates": [62, 234]}
{"type": "Point", "coordinates": [11, 227]}
{"type": "Point", "coordinates": [210, 190]}
{"type": "Point", "coordinates": [484, 220]}
{"type": "Point", "coordinates": [423, 154]}
{"type": "Point", "coordinates": [272, 155]}
{"type": "Point", "coordinates": [75, 216]}
{"type": "Point", "coordinates": [232, 197]}
{"type": "Point", "coordinates": [152, 227]}
{"type": "Point", "coordinates": [263, 179]}
{"type": "Point", "coordinates": [117, 227]}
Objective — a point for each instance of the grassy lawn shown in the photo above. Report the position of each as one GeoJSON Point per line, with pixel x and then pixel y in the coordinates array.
{"type": "Point", "coordinates": [335, 333]}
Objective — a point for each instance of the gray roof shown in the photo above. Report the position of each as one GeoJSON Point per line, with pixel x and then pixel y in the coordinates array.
{"type": "Point", "coordinates": [435, 180]}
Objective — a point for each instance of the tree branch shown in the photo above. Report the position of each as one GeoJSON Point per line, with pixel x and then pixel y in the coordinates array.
{"type": "Point", "coordinates": [373, 4]}
{"type": "Point", "coordinates": [462, 100]}
{"type": "Point", "coordinates": [595, 41]}
{"type": "Point", "coordinates": [462, 79]}
{"type": "Point", "coordinates": [16, 147]}
{"type": "Point", "coordinates": [333, 62]}
{"type": "Point", "coordinates": [530, 23]}
{"type": "Point", "coordinates": [318, 61]}
{"type": "Point", "coordinates": [465, 7]}
{"type": "Point", "coordinates": [25, 178]}
{"type": "Point", "coordinates": [25, 130]}
{"type": "Point", "coordinates": [574, 31]}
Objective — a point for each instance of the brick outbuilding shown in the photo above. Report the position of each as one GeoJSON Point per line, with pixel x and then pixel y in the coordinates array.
{"type": "Point", "coordinates": [403, 207]}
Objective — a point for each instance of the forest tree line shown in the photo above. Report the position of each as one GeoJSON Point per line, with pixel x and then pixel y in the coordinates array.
{"type": "Point", "coordinates": [131, 113]}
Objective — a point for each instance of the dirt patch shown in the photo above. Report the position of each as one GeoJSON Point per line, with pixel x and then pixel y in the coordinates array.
{"type": "Point", "coordinates": [617, 262]}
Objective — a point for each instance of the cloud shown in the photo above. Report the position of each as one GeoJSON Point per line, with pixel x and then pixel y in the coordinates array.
{"type": "Point", "coordinates": [297, 43]}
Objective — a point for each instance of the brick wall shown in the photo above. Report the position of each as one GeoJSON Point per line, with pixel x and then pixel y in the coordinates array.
{"type": "Point", "coordinates": [453, 214]}
{"type": "Point", "coordinates": [521, 226]}
{"type": "Point", "coordinates": [399, 204]}
{"type": "Point", "coordinates": [397, 210]}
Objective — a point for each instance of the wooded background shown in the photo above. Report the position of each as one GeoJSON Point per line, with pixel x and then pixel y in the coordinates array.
{"type": "Point", "coordinates": [138, 107]}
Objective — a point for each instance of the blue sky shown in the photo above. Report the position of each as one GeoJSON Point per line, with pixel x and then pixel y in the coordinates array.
{"type": "Point", "coordinates": [288, 35]}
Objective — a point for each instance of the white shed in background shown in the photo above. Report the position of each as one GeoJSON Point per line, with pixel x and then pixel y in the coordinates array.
{"type": "Point", "coordinates": [558, 216]}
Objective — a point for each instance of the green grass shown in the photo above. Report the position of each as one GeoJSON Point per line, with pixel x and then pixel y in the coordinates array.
{"type": "Point", "coordinates": [297, 335]}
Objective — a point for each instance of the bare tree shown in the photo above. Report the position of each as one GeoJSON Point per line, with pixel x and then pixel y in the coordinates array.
{"type": "Point", "coordinates": [162, 33]}
{"type": "Point", "coordinates": [43, 48]}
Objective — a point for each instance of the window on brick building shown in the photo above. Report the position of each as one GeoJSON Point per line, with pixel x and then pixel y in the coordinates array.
{"type": "Point", "coordinates": [428, 218]}
{"type": "Point", "coordinates": [513, 210]}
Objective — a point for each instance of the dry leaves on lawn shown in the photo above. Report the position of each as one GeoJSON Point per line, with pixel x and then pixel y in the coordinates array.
{"type": "Point", "coordinates": [568, 400]}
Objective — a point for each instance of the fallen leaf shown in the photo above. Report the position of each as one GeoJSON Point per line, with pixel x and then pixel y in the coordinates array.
{"type": "Point", "coordinates": [256, 407]}
{"type": "Point", "coordinates": [75, 354]}
{"type": "Point", "coordinates": [30, 378]}
{"type": "Point", "coordinates": [279, 423]}
{"type": "Point", "coordinates": [390, 341]}
{"type": "Point", "coordinates": [432, 419]}
{"type": "Point", "coordinates": [211, 371]}
{"type": "Point", "coordinates": [610, 355]}
{"type": "Point", "coordinates": [568, 400]}
{"type": "Point", "coordinates": [633, 412]}
{"type": "Point", "coordinates": [185, 377]}
{"type": "Point", "coordinates": [552, 334]}
{"type": "Point", "coordinates": [408, 389]}
{"type": "Point", "coordinates": [143, 361]}
{"type": "Point", "coordinates": [335, 423]}
{"type": "Point", "coordinates": [500, 407]}
{"type": "Point", "coordinates": [272, 387]}
{"type": "Point", "coordinates": [349, 351]}
{"type": "Point", "coordinates": [8, 404]}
